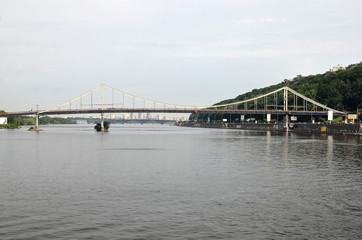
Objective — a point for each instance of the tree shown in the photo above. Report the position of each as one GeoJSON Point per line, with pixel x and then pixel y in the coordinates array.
{"type": "Point", "coordinates": [99, 128]}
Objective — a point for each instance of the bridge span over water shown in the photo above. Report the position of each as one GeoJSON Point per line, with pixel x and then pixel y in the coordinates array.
{"type": "Point", "coordinates": [104, 99]}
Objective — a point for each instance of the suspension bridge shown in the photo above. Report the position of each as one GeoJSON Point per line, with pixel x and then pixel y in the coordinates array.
{"type": "Point", "coordinates": [104, 99]}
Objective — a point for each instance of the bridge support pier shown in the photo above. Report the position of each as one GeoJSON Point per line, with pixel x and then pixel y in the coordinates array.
{"type": "Point", "coordinates": [102, 123]}
{"type": "Point", "coordinates": [37, 121]}
{"type": "Point", "coordinates": [286, 123]}
{"type": "Point", "coordinates": [102, 126]}
{"type": "Point", "coordinates": [36, 128]}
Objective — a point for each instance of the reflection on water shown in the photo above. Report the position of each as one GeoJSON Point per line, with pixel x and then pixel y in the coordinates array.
{"type": "Point", "coordinates": [165, 182]}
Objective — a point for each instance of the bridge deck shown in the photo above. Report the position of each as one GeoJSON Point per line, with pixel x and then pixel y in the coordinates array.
{"type": "Point", "coordinates": [165, 110]}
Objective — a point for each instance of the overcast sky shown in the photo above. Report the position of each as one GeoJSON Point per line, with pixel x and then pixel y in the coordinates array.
{"type": "Point", "coordinates": [194, 52]}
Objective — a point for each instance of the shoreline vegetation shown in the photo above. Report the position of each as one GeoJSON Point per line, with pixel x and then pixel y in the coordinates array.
{"type": "Point", "coordinates": [9, 126]}
{"type": "Point", "coordinates": [15, 122]}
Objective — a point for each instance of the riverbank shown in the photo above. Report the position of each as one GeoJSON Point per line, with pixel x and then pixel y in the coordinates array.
{"type": "Point", "coordinates": [334, 128]}
{"type": "Point", "coordinates": [9, 126]}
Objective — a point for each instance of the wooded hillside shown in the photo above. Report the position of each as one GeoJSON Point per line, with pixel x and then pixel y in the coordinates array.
{"type": "Point", "coordinates": [340, 90]}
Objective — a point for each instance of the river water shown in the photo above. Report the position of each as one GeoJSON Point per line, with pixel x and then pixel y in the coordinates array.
{"type": "Point", "coordinates": [167, 182]}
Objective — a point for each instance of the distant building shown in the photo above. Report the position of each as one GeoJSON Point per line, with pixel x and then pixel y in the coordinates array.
{"type": "Point", "coordinates": [3, 120]}
{"type": "Point", "coordinates": [337, 68]}
{"type": "Point", "coordinates": [81, 121]}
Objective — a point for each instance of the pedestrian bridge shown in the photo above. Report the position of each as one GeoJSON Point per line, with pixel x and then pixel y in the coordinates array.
{"type": "Point", "coordinates": [105, 99]}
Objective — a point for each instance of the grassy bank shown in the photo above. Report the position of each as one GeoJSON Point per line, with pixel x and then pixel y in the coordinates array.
{"type": "Point", "coordinates": [9, 126]}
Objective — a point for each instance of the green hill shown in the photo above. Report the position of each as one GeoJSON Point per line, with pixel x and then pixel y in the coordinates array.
{"type": "Point", "coordinates": [341, 90]}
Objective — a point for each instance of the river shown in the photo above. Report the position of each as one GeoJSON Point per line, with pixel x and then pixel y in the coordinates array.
{"type": "Point", "coordinates": [167, 182]}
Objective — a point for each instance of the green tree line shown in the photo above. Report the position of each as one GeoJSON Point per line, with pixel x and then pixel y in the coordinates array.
{"type": "Point", "coordinates": [15, 121]}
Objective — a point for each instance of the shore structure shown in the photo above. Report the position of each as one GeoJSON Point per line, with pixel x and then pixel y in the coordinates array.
{"type": "Point", "coordinates": [325, 128]}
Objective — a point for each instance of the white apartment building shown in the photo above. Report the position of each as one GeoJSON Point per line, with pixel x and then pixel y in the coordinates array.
{"type": "Point", "coordinates": [338, 67]}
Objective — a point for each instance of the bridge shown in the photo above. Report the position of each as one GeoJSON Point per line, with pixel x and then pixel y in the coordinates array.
{"type": "Point", "coordinates": [104, 99]}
